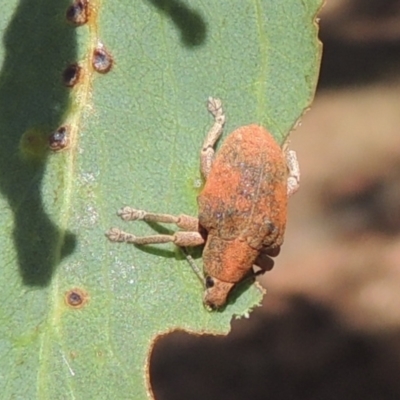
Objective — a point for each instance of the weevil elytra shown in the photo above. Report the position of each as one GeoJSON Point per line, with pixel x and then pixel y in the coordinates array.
{"type": "Point", "coordinates": [242, 207]}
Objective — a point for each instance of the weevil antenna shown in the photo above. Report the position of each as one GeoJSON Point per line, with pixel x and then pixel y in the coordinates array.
{"type": "Point", "coordinates": [193, 265]}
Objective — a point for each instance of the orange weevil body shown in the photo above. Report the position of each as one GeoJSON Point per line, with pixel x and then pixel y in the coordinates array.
{"type": "Point", "coordinates": [242, 207]}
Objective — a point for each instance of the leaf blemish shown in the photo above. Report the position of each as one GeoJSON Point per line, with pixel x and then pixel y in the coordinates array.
{"type": "Point", "coordinates": [102, 60]}
{"type": "Point", "coordinates": [33, 144]}
{"type": "Point", "coordinates": [76, 298]}
{"type": "Point", "coordinates": [71, 75]}
{"type": "Point", "coordinates": [58, 140]}
{"type": "Point", "coordinates": [78, 12]}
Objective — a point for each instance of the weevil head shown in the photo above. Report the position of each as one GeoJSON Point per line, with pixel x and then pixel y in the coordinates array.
{"type": "Point", "coordinates": [216, 293]}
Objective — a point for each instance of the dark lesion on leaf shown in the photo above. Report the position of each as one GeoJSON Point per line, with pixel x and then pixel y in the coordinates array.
{"type": "Point", "coordinates": [76, 298]}
{"type": "Point", "coordinates": [102, 61]}
{"type": "Point", "coordinates": [71, 74]}
{"type": "Point", "coordinates": [59, 139]}
{"type": "Point", "coordinates": [78, 12]}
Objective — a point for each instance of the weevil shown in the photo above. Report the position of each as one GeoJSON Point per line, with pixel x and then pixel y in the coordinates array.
{"type": "Point", "coordinates": [241, 209]}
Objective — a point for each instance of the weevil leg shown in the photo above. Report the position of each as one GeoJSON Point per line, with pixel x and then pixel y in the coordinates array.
{"type": "Point", "coordinates": [183, 221]}
{"type": "Point", "coordinates": [179, 238]}
{"type": "Point", "coordinates": [214, 106]}
{"type": "Point", "coordinates": [264, 262]}
{"type": "Point", "coordinates": [190, 236]}
{"type": "Point", "coordinates": [293, 181]}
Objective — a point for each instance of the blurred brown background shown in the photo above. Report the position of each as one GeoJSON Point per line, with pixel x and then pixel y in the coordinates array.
{"type": "Point", "coordinates": [330, 324]}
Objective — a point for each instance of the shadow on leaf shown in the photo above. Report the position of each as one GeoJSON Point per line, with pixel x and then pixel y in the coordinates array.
{"type": "Point", "coordinates": [189, 22]}
{"type": "Point", "coordinates": [38, 45]}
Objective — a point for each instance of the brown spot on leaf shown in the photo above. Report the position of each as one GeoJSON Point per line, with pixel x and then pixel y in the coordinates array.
{"type": "Point", "coordinates": [58, 140]}
{"type": "Point", "coordinates": [76, 298]}
{"type": "Point", "coordinates": [71, 75]}
{"type": "Point", "coordinates": [102, 60]}
{"type": "Point", "coordinates": [78, 12]}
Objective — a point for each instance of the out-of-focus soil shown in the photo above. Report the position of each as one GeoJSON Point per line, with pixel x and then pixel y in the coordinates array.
{"type": "Point", "coordinates": [330, 324]}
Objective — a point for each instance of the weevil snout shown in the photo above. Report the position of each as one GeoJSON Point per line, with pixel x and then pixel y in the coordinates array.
{"type": "Point", "coordinates": [216, 293]}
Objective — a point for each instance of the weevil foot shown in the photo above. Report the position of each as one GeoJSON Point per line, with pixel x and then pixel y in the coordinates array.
{"type": "Point", "coordinates": [131, 214]}
{"type": "Point", "coordinates": [214, 106]}
{"type": "Point", "coordinates": [116, 235]}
